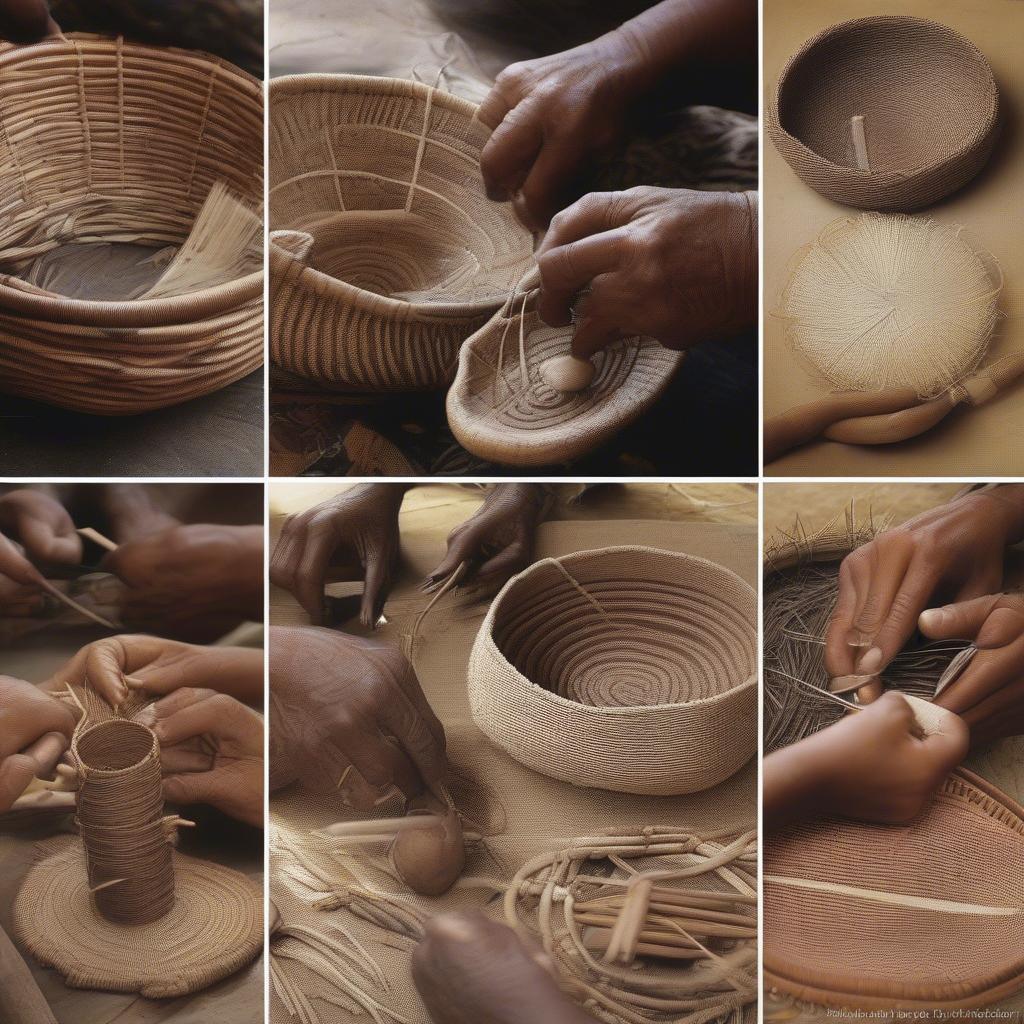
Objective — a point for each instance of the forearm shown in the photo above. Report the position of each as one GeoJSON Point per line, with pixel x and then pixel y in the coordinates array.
{"type": "Point", "coordinates": [790, 789]}
{"type": "Point", "coordinates": [250, 566]}
{"type": "Point", "coordinates": [670, 34]}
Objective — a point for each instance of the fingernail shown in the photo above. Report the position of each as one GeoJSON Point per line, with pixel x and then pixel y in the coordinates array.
{"type": "Point", "coordinates": [855, 638]}
{"type": "Point", "coordinates": [134, 682]}
{"type": "Point", "coordinates": [931, 618]}
{"type": "Point", "coordinates": [870, 662]}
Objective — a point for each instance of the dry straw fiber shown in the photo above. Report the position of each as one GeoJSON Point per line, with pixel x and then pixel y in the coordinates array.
{"type": "Point", "coordinates": [886, 113]}
{"type": "Point", "coordinates": [386, 253]}
{"type": "Point", "coordinates": [118, 909]}
{"type": "Point", "coordinates": [108, 152]}
{"type": "Point", "coordinates": [879, 302]}
{"type": "Point", "coordinates": [928, 915]}
{"type": "Point", "coordinates": [502, 409]}
{"type": "Point", "coordinates": [629, 668]}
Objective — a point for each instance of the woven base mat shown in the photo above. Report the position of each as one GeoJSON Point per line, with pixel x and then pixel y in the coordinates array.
{"type": "Point", "coordinates": [214, 928]}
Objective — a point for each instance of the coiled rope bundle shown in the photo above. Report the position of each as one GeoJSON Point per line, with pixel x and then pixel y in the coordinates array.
{"type": "Point", "coordinates": [108, 152]}
{"type": "Point", "coordinates": [386, 253]}
{"type": "Point", "coordinates": [885, 113]}
{"type": "Point", "coordinates": [627, 668]}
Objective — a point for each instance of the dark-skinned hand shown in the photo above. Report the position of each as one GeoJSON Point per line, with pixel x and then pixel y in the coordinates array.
{"type": "Point", "coordinates": [952, 553]}
{"type": "Point", "coordinates": [26, 21]}
{"type": "Point", "coordinates": [671, 264]}
{"type": "Point", "coordinates": [989, 694]}
{"type": "Point", "coordinates": [469, 969]}
{"type": "Point", "coordinates": [211, 751]}
{"type": "Point", "coordinates": [873, 765]}
{"type": "Point", "coordinates": [192, 583]}
{"type": "Point", "coordinates": [495, 542]}
{"type": "Point", "coordinates": [348, 717]}
{"type": "Point", "coordinates": [357, 526]}
{"type": "Point", "coordinates": [27, 716]}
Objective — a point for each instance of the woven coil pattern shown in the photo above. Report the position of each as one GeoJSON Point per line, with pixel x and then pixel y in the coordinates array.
{"type": "Point", "coordinates": [928, 100]}
{"type": "Point", "coordinates": [385, 252]}
{"type": "Point", "coordinates": [120, 812]}
{"type": "Point", "coordinates": [108, 150]}
{"type": "Point", "coordinates": [502, 409]}
{"type": "Point", "coordinates": [842, 898]}
{"type": "Point", "coordinates": [628, 668]}
{"type": "Point", "coordinates": [878, 302]}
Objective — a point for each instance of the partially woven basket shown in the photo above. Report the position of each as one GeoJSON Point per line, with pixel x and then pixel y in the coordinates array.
{"type": "Point", "coordinates": [927, 916]}
{"type": "Point", "coordinates": [502, 409]}
{"type": "Point", "coordinates": [627, 668]}
{"type": "Point", "coordinates": [927, 105]}
{"type": "Point", "coordinates": [385, 252]}
{"type": "Point", "coordinates": [108, 151]}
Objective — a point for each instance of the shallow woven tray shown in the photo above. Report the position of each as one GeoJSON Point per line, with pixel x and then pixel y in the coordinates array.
{"type": "Point", "coordinates": [864, 948]}
{"type": "Point", "coordinates": [501, 409]}
{"type": "Point", "coordinates": [627, 668]}
{"type": "Point", "coordinates": [214, 928]}
{"type": "Point", "coordinates": [108, 150]}
{"type": "Point", "coordinates": [385, 252]}
{"type": "Point", "coordinates": [929, 102]}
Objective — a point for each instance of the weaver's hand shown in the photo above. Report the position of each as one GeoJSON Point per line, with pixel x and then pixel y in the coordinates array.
{"type": "Point", "coordinates": [211, 751]}
{"type": "Point", "coordinates": [495, 542]}
{"type": "Point", "coordinates": [118, 666]}
{"type": "Point", "coordinates": [358, 525]}
{"type": "Point", "coordinates": [873, 765]}
{"type": "Point", "coordinates": [672, 264]}
{"type": "Point", "coordinates": [951, 553]}
{"type": "Point", "coordinates": [469, 969]}
{"type": "Point", "coordinates": [34, 527]}
{"type": "Point", "coordinates": [552, 115]}
{"type": "Point", "coordinates": [192, 583]}
{"type": "Point", "coordinates": [989, 695]}
{"type": "Point", "coordinates": [26, 21]}
{"type": "Point", "coordinates": [35, 729]}
{"type": "Point", "coordinates": [347, 716]}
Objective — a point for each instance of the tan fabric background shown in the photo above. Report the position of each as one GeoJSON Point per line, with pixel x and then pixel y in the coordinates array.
{"type": "Point", "coordinates": [984, 441]}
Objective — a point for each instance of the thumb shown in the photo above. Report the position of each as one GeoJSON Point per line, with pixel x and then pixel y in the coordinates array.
{"type": "Point", "coordinates": [46, 543]}
{"type": "Point", "coordinates": [16, 772]}
{"type": "Point", "coordinates": [461, 548]}
{"type": "Point", "coordinates": [962, 621]}
{"type": "Point", "coordinates": [191, 788]}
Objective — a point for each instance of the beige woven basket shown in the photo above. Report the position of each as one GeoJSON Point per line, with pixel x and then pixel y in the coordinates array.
{"type": "Point", "coordinates": [385, 252]}
{"type": "Point", "coordinates": [108, 151]}
{"type": "Point", "coordinates": [885, 113]}
{"type": "Point", "coordinates": [501, 409]}
{"type": "Point", "coordinates": [628, 668]}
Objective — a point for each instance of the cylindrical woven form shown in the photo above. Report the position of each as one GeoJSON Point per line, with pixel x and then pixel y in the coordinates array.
{"type": "Point", "coordinates": [108, 151]}
{"type": "Point", "coordinates": [385, 253]}
{"type": "Point", "coordinates": [120, 812]}
{"type": "Point", "coordinates": [502, 409]}
{"type": "Point", "coordinates": [928, 915]}
{"type": "Point", "coordinates": [925, 101]}
{"type": "Point", "coordinates": [628, 668]}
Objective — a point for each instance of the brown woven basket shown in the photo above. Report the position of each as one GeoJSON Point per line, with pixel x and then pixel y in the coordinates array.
{"type": "Point", "coordinates": [926, 916]}
{"type": "Point", "coordinates": [111, 147]}
{"type": "Point", "coordinates": [385, 252]}
{"type": "Point", "coordinates": [502, 409]}
{"type": "Point", "coordinates": [628, 668]}
{"type": "Point", "coordinates": [928, 103]}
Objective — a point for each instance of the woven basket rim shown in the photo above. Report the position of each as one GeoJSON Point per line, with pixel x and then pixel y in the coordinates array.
{"type": "Point", "coordinates": [845, 996]}
{"type": "Point", "coordinates": [632, 711]}
{"type": "Point", "coordinates": [983, 130]}
{"type": "Point", "coordinates": [323, 284]}
{"type": "Point", "coordinates": [152, 752]}
{"type": "Point", "coordinates": [199, 305]}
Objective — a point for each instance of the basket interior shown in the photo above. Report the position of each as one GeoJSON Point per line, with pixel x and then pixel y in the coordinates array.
{"type": "Point", "coordinates": [389, 188]}
{"type": "Point", "coordinates": [108, 151]}
{"type": "Point", "coordinates": [114, 745]}
{"type": "Point", "coordinates": [629, 627]}
{"type": "Point", "coordinates": [854, 944]}
{"type": "Point", "coordinates": [924, 93]}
